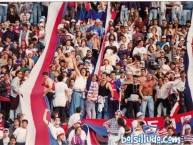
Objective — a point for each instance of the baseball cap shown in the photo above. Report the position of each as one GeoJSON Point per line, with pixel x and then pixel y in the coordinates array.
{"type": "Point", "coordinates": [187, 126]}
{"type": "Point", "coordinates": [98, 20]}
{"type": "Point", "coordinates": [119, 112]}
{"type": "Point", "coordinates": [59, 132]}
{"type": "Point", "coordinates": [139, 114]}
{"type": "Point", "coordinates": [75, 122]}
{"type": "Point", "coordinates": [6, 129]}
{"type": "Point", "coordinates": [73, 21]}
{"type": "Point", "coordinates": [87, 61]}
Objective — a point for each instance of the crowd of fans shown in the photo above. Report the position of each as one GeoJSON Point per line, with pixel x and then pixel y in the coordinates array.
{"type": "Point", "coordinates": [22, 33]}
{"type": "Point", "coordinates": [142, 67]}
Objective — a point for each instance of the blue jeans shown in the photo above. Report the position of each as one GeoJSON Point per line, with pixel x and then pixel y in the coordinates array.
{"type": "Point", "coordinates": [124, 16]}
{"type": "Point", "coordinates": [36, 14]}
{"type": "Point", "coordinates": [77, 101]}
{"type": "Point", "coordinates": [174, 13]}
{"type": "Point", "coordinates": [150, 103]}
{"type": "Point", "coordinates": [105, 110]}
{"type": "Point", "coordinates": [3, 14]}
{"type": "Point", "coordinates": [186, 15]}
{"type": "Point", "coordinates": [153, 14]}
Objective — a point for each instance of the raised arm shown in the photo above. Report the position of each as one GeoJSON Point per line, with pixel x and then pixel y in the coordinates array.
{"type": "Point", "coordinates": [75, 67]}
{"type": "Point", "coordinates": [44, 117]}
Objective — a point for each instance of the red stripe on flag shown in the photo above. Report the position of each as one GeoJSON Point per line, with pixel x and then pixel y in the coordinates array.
{"type": "Point", "coordinates": [37, 101]}
{"type": "Point", "coordinates": [94, 141]}
{"type": "Point", "coordinates": [113, 16]}
{"type": "Point", "coordinates": [175, 109]}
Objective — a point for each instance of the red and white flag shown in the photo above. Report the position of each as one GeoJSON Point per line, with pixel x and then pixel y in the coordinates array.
{"type": "Point", "coordinates": [32, 103]}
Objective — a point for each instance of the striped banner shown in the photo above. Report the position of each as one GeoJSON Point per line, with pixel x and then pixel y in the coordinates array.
{"type": "Point", "coordinates": [32, 103]}
{"type": "Point", "coordinates": [110, 15]}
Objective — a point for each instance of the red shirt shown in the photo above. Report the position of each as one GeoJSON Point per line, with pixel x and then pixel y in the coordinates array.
{"type": "Point", "coordinates": [71, 4]}
{"type": "Point", "coordinates": [65, 127]}
{"type": "Point", "coordinates": [2, 125]}
{"type": "Point", "coordinates": [115, 93]}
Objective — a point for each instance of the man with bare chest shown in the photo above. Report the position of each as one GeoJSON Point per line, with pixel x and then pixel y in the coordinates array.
{"type": "Point", "coordinates": [68, 59]}
{"type": "Point", "coordinates": [146, 92]}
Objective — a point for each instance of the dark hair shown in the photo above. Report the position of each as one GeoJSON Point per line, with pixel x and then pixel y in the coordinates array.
{"type": "Point", "coordinates": [25, 25]}
{"type": "Point", "coordinates": [76, 129]}
{"type": "Point", "coordinates": [161, 78]}
{"type": "Point", "coordinates": [60, 78]}
{"type": "Point", "coordinates": [96, 77]}
{"type": "Point", "coordinates": [139, 41]}
{"type": "Point", "coordinates": [127, 129]}
{"type": "Point", "coordinates": [111, 36]}
{"type": "Point", "coordinates": [78, 109]}
{"type": "Point", "coordinates": [25, 120]}
{"type": "Point", "coordinates": [53, 115]}
{"type": "Point", "coordinates": [16, 119]}
{"type": "Point", "coordinates": [17, 72]}
{"type": "Point", "coordinates": [45, 73]}
{"type": "Point", "coordinates": [104, 73]}
{"type": "Point", "coordinates": [166, 116]}
{"type": "Point", "coordinates": [113, 72]}
{"type": "Point", "coordinates": [12, 137]}
{"type": "Point", "coordinates": [182, 72]}
{"type": "Point", "coordinates": [83, 69]}
{"type": "Point", "coordinates": [170, 128]}
{"type": "Point", "coordinates": [121, 122]}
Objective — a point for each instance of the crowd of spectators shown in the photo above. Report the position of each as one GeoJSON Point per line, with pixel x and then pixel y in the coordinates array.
{"type": "Point", "coordinates": [142, 67]}
{"type": "Point", "coordinates": [22, 34]}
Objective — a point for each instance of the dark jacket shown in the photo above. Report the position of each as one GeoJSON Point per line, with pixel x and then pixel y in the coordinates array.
{"type": "Point", "coordinates": [3, 89]}
{"type": "Point", "coordinates": [131, 89]}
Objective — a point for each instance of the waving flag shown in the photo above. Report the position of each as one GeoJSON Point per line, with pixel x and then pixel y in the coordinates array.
{"type": "Point", "coordinates": [98, 134]}
{"type": "Point", "coordinates": [32, 102]}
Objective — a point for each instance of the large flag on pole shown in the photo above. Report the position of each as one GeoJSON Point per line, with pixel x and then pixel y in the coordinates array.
{"type": "Point", "coordinates": [32, 101]}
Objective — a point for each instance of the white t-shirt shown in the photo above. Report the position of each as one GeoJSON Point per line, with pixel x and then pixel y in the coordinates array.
{"type": "Point", "coordinates": [141, 51]}
{"type": "Point", "coordinates": [163, 91]}
{"type": "Point", "coordinates": [54, 130]}
{"type": "Point", "coordinates": [60, 95]}
{"type": "Point", "coordinates": [108, 69]}
{"type": "Point", "coordinates": [21, 134]}
{"type": "Point", "coordinates": [115, 43]}
{"type": "Point", "coordinates": [6, 141]}
{"type": "Point", "coordinates": [74, 118]}
{"type": "Point", "coordinates": [80, 80]}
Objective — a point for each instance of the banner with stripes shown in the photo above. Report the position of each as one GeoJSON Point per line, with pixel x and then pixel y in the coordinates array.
{"type": "Point", "coordinates": [32, 103]}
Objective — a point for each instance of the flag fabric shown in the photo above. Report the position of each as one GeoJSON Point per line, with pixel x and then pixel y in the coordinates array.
{"type": "Point", "coordinates": [98, 134]}
{"type": "Point", "coordinates": [188, 61]}
{"type": "Point", "coordinates": [96, 15]}
{"type": "Point", "coordinates": [110, 15]}
{"type": "Point", "coordinates": [32, 102]}
{"type": "Point", "coordinates": [149, 130]}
